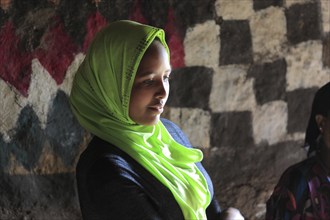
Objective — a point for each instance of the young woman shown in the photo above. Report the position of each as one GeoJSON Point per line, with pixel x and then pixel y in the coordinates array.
{"type": "Point", "coordinates": [303, 191]}
{"type": "Point", "coordinates": [137, 166]}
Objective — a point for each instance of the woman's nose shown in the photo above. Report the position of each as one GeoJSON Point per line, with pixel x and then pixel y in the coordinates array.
{"type": "Point", "coordinates": [162, 90]}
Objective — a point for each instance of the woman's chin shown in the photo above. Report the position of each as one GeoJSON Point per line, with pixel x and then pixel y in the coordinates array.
{"type": "Point", "coordinates": [149, 121]}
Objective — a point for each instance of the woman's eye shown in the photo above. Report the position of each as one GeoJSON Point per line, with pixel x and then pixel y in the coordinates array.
{"type": "Point", "coordinates": [167, 78]}
{"type": "Point", "coordinates": [148, 82]}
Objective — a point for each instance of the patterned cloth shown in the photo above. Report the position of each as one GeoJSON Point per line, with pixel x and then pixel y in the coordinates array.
{"type": "Point", "coordinates": [303, 192]}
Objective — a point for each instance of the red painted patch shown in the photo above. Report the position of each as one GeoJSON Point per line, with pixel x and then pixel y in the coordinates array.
{"type": "Point", "coordinates": [175, 42]}
{"type": "Point", "coordinates": [57, 52]}
{"type": "Point", "coordinates": [15, 65]}
{"type": "Point", "coordinates": [94, 23]}
{"type": "Point", "coordinates": [137, 13]}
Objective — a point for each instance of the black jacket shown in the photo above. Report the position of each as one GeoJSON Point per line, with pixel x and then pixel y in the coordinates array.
{"type": "Point", "coordinates": [112, 185]}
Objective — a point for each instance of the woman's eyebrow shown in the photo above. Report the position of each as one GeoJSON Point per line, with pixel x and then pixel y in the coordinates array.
{"type": "Point", "coordinates": [145, 73]}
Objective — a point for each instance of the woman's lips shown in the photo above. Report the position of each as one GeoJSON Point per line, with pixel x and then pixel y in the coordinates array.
{"type": "Point", "coordinates": [158, 108]}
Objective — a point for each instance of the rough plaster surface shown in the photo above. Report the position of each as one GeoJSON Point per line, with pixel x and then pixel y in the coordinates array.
{"type": "Point", "coordinates": [234, 9]}
{"type": "Point", "coordinates": [41, 91]}
{"type": "Point", "coordinates": [232, 90]}
{"type": "Point", "coordinates": [303, 22]}
{"type": "Point", "coordinates": [67, 82]}
{"type": "Point", "coordinates": [194, 94]}
{"type": "Point", "coordinates": [197, 51]}
{"type": "Point", "coordinates": [305, 67]}
{"type": "Point", "coordinates": [9, 109]}
{"type": "Point", "coordinates": [235, 43]}
{"type": "Point", "coordinates": [269, 122]}
{"type": "Point", "coordinates": [190, 120]}
{"type": "Point", "coordinates": [325, 7]}
{"type": "Point", "coordinates": [264, 29]}
{"type": "Point", "coordinates": [269, 80]}
{"type": "Point", "coordinates": [246, 83]}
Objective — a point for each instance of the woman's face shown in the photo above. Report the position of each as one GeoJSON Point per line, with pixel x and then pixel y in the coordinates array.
{"type": "Point", "coordinates": [151, 86]}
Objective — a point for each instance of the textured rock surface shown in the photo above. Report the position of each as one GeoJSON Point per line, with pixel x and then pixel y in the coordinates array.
{"type": "Point", "coordinates": [244, 75]}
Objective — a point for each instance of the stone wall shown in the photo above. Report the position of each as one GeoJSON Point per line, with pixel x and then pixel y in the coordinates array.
{"type": "Point", "coordinates": [245, 72]}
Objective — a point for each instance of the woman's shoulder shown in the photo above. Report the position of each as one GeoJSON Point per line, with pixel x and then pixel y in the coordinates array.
{"type": "Point", "coordinates": [301, 168]}
{"type": "Point", "coordinates": [296, 176]}
{"type": "Point", "coordinates": [176, 132]}
{"type": "Point", "coordinates": [170, 126]}
{"type": "Point", "coordinates": [101, 156]}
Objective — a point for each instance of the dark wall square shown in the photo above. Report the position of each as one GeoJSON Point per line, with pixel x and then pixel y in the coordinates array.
{"type": "Point", "coordinates": [156, 12]}
{"type": "Point", "coordinates": [190, 87]}
{"type": "Point", "coordinates": [303, 23]}
{"type": "Point", "coordinates": [236, 42]}
{"type": "Point", "coordinates": [232, 129]}
{"type": "Point", "coordinates": [326, 51]}
{"type": "Point", "coordinates": [299, 108]}
{"type": "Point", "coordinates": [269, 81]}
{"type": "Point", "coordinates": [262, 4]}
{"type": "Point", "coordinates": [115, 9]}
{"type": "Point", "coordinates": [189, 13]}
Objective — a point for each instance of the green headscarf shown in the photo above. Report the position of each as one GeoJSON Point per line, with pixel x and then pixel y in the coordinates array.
{"type": "Point", "coordinates": [100, 98]}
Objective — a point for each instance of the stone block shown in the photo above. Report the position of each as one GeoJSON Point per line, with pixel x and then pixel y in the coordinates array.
{"type": "Point", "coordinates": [189, 13]}
{"type": "Point", "coordinates": [190, 87]}
{"type": "Point", "coordinates": [326, 51]}
{"type": "Point", "coordinates": [304, 66]}
{"type": "Point", "coordinates": [303, 23]}
{"type": "Point", "coordinates": [270, 122]}
{"type": "Point", "coordinates": [325, 14]}
{"type": "Point", "coordinates": [236, 42]}
{"type": "Point", "coordinates": [269, 81]}
{"type": "Point", "coordinates": [231, 129]}
{"type": "Point", "coordinates": [195, 123]}
{"type": "Point", "coordinates": [299, 109]}
{"type": "Point", "coordinates": [196, 45]}
{"type": "Point", "coordinates": [232, 90]}
{"type": "Point", "coordinates": [268, 42]}
{"type": "Point", "coordinates": [234, 9]}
